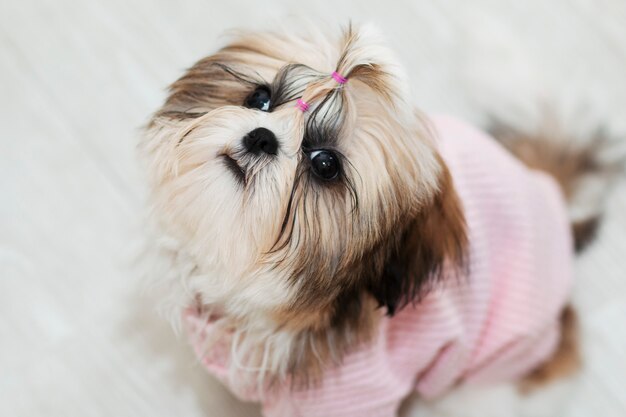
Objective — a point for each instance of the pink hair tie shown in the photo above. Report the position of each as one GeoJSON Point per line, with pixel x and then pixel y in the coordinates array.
{"type": "Point", "coordinates": [337, 77]}
{"type": "Point", "coordinates": [302, 105]}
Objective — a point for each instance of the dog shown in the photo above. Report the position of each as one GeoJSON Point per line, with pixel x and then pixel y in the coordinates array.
{"type": "Point", "coordinates": [330, 249]}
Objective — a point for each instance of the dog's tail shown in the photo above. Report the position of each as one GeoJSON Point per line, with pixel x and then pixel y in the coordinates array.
{"type": "Point", "coordinates": [584, 168]}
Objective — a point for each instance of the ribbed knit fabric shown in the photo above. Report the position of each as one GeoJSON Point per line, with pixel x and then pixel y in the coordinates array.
{"type": "Point", "coordinates": [493, 325]}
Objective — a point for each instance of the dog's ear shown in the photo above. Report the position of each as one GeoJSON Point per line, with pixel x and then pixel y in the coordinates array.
{"type": "Point", "coordinates": [417, 253]}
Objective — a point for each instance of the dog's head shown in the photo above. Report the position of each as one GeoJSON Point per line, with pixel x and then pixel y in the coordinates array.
{"type": "Point", "coordinates": [304, 219]}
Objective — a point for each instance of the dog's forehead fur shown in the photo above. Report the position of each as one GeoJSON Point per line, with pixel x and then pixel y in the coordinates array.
{"type": "Point", "coordinates": [283, 248]}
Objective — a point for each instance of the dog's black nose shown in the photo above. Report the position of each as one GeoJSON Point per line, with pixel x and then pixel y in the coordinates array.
{"type": "Point", "coordinates": [261, 140]}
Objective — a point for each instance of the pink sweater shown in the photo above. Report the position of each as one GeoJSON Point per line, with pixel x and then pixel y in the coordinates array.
{"type": "Point", "coordinates": [494, 325]}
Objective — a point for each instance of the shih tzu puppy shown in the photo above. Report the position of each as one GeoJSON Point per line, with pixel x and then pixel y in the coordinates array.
{"type": "Point", "coordinates": [331, 250]}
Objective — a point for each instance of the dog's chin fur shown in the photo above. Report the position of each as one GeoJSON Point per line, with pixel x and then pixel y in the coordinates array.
{"type": "Point", "coordinates": [292, 267]}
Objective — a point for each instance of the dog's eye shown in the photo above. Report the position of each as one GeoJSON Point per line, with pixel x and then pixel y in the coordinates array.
{"type": "Point", "coordinates": [259, 99]}
{"type": "Point", "coordinates": [325, 164]}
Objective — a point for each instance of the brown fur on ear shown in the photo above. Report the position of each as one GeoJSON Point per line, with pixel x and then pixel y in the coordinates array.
{"type": "Point", "coordinates": [434, 238]}
{"type": "Point", "coordinates": [398, 269]}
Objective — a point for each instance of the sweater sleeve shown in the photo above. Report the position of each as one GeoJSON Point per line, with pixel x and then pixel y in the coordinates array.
{"type": "Point", "coordinates": [356, 400]}
{"type": "Point", "coordinates": [366, 384]}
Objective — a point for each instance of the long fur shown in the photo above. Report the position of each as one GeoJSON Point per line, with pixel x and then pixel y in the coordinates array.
{"type": "Point", "coordinates": [294, 272]}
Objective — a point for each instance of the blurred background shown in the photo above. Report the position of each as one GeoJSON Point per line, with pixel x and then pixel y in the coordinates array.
{"type": "Point", "coordinates": [78, 79]}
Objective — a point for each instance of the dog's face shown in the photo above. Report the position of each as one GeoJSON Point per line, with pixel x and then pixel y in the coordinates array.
{"type": "Point", "coordinates": [302, 218]}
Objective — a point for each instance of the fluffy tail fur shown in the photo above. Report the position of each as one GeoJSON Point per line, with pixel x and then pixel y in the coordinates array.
{"type": "Point", "coordinates": [578, 166]}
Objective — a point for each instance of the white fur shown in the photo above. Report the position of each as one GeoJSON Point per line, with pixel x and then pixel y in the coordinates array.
{"type": "Point", "coordinates": [215, 233]}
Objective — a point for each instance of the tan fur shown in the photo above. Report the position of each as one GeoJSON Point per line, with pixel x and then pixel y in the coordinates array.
{"type": "Point", "coordinates": [321, 342]}
{"type": "Point", "coordinates": [430, 236]}
{"type": "Point", "coordinates": [298, 268]}
{"type": "Point", "coordinates": [294, 271]}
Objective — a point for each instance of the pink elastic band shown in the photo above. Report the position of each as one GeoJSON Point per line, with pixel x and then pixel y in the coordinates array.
{"type": "Point", "coordinates": [302, 105]}
{"type": "Point", "coordinates": [337, 77]}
